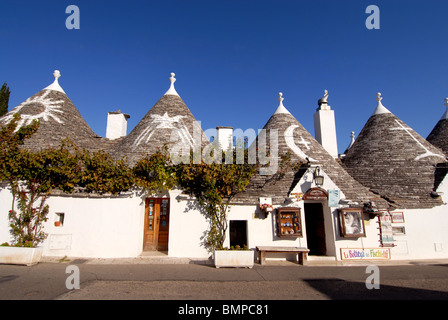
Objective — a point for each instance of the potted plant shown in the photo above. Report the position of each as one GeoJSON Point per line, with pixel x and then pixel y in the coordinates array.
{"type": "Point", "coordinates": [235, 257]}
{"type": "Point", "coordinates": [266, 207]}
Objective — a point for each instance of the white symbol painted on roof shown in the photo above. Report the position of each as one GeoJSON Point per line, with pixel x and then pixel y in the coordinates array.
{"type": "Point", "coordinates": [45, 107]}
{"type": "Point", "coordinates": [289, 138]}
{"type": "Point", "coordinates": [423, 155]}
{"type": "Point", "coordinates": [165, 122]}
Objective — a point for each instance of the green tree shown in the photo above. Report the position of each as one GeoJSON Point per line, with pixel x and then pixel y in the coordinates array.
{"type": "Point", "coordinates": [214, 185]}
{"type": "Point", "coordinates": [4, 99]}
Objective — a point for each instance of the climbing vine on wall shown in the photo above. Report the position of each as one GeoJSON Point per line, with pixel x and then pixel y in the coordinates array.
{"type": "Point", "coordinates": [33, 176]}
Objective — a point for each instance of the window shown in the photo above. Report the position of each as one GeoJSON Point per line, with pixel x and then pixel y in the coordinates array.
{"type": "Point", "coordinates": [59, 220]}
{"type": "Point", "coordinates": [238, 233]}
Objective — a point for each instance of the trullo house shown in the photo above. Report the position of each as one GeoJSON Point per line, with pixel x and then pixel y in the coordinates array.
{"type": "Point", "coordinates": [384, 199]}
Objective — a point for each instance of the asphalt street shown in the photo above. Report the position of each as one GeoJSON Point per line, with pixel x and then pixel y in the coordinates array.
{"type": "Point", "coordinates": [48, 281]}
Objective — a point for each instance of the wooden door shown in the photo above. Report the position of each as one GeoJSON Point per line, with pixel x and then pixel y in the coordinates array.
{"type": "Point", "coordinates": [155, 234]}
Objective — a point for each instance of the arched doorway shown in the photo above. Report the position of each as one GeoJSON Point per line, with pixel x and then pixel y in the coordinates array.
{"type": "Point", "coordinates": [315, 228]}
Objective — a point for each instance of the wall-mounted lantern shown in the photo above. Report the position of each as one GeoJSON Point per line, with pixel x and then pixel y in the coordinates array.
{"type": "Point", "coordinates": [318, 178]}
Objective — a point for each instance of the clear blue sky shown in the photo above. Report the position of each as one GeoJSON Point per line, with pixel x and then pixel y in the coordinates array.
{"type": "Point", "coordinates": [231, 58]}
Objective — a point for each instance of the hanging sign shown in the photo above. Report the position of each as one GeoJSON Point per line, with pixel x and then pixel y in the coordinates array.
{"type": "Point", "coordinates": [316, 194]}
{"type": "Point", "coordinates": [266, 204]}
{"type": "Point", "coordinates": [387, 237]}
{"type": "Point", "coordinates": [333, 198]}
{"type": "Point", "coordinates": [298, 195]}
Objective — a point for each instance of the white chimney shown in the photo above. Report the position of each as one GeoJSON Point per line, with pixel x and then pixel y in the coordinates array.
{"type": "Point", "coordinates": [117, 125]}
{"type": "Point", "coordinates": [224, 136]}
{"type": "Point", "coordinates": [325, 126]}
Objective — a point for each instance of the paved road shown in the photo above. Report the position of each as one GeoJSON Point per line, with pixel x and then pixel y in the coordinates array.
{"type": "Point", "coordinates": [201, 282]}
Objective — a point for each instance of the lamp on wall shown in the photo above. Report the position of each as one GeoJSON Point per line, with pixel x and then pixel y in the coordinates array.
{"type": "Point", "coordinates": [318, 178]}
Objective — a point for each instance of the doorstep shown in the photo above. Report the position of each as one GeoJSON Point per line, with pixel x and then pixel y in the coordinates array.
{"type": "Point", "coordinates": [154, 254]}
{"type": "Point", "coordinates": [159, 257]}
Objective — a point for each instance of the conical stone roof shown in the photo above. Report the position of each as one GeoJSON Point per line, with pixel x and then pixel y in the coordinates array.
{"type": "Point", "coordinates": [294, 139]}
{"type": "Point", "coordinates": [439, 135]}
{"type": "Point", "coordinates": [394, 161]}
{"type": "Point", "coordinates": [58, 116]}
{"type": "Point", "coordinates": [168, 123]}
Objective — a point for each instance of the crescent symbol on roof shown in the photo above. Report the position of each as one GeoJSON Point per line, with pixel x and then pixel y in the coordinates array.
{"type": "Point", "coordinates": [289, 138]}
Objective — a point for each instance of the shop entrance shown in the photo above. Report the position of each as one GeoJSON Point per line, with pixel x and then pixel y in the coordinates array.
{"type": "Point", "coordinates": [157, 217]}
{"type": "Point", "coordinates": [315, 229]}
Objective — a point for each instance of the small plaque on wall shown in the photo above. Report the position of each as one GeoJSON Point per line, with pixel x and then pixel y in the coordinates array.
{"type": "Point", "coordinates": [60, 241]}
{"type": "Point", "coordinates": [315, 194]}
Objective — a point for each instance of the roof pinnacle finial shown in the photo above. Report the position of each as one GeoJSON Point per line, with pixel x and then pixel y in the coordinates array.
{"type": "Point", "coordinates": [352, 141]}
{"type": "Point", "coordinates": [445, 115]}
{"type": "Point", "coordinates": [281, 108]}
{"type": "Point", "coordinates": [379, 97]}
{"type": "Point", "coordinates": [324, 99]}
{"type": "Point", "coordinates": [171, 90]}
{"type": "Point", "coordinates": [56, 74]}
{"type": "Point", "coordinates": [323, 102]}
{"type": "Point", "coordinates": [280, 98]}
{"type": "Point", "coordinates": [380, 108]}
{"type": "Point", "coordinates": [172, 79]}
{"type": "Point", "coordinates": [55, 85]}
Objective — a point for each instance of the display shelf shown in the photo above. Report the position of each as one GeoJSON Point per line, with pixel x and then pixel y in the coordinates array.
{"type": "Point", "coordinates": [289, 223]}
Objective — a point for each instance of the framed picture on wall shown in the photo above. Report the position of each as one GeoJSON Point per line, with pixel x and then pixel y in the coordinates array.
{"type": "Point", "coordinates": [398, 230]}
{"type": "Point", "coordinates": [397, 217]}
{"type": "Point", "coordinates": [351, 223]}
